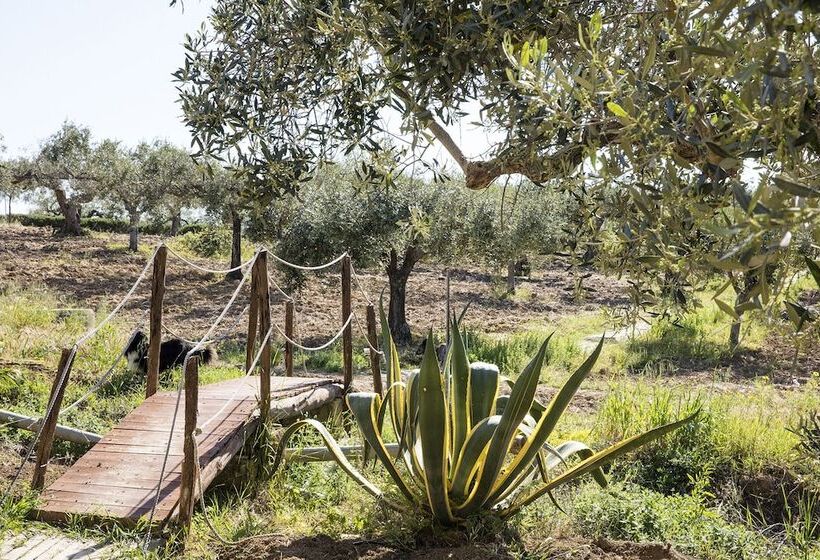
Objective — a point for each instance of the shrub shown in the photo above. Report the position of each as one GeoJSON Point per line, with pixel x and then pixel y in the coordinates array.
{"type": "Point", "coordinates": [210, 241]}
{"type": "Point", "coordinates": [93, 223]}
{"type": "Point", "coordinates": [673, 467]}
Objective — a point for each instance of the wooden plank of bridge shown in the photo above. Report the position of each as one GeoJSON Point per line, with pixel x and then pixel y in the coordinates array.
{"type": "Point", "coordinates": [118, 477]}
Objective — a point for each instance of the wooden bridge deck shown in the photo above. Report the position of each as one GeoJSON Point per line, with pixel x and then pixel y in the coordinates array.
{"type": "Point", "coordinates": [118, 477]}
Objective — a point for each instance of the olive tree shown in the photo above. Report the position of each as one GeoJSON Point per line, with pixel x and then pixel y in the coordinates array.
{"type": "Point", "coordinates": [137, 181]}
{"type": "Point", "coordinates": [656, 114]}
{"type": "Point", "coordinates": [221, 193]}
{"type": "Point", "coordinates": [394, 227]}
{"type": "Point", "coordinates": [65, 166]}
{"type": "Point", "coordinates": [513, 222]}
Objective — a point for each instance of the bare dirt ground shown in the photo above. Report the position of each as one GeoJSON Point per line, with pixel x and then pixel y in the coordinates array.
{"type": "Point", "coordinates": [322, 547]}
{"type": "Point", "coordinates": [96, 272]}
{"type": "Point", "coordinates": [86, 270]}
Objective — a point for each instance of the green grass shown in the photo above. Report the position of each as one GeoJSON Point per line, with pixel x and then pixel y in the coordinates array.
{"type": "Point", "coordinates": [629, 512]}
{"type": "Point", "coordinates": [676, 490]}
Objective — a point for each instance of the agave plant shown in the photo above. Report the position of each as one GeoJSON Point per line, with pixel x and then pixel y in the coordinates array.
{"type": "Point", "coordinates": [463, 448]}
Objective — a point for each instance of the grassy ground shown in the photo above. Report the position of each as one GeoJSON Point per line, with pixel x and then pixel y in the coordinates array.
{"type": "Point", "coordinates": [732, 485]}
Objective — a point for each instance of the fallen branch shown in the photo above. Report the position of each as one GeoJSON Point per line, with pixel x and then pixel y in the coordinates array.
{"type": "Point", "coordinates": [62, 432]}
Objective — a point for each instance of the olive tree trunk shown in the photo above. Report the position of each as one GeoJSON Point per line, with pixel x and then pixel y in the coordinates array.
{"type": "Point", "coordinates": [70, 209]}
{"type": "Point", "coordinates": [397, 275]}
{"type": "Point", "coordinates": [511, 277]}
{"type": "Point", "coordinates": [176, 224]}
{"type": "Point", "coordinates": [236, 245]}
{"type": "Point", "coordinates": [133, 230]}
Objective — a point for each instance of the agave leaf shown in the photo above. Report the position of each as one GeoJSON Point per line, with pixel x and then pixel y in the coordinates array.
{"type": "Point", "coordinates": [410, 440]}
{"type": "Point", "coordinates": [335, 450]}
{"type": "Point", "coordinates": [546, 424]}
{"type": "Point", "coordinates": [391, 358]}
{"type": "Point", "coordinates": [569, 448]}
{"type": "Point", "coordinates": [814, 268]}
{"type": "Point", "coordinates": [460, 388]}
{"type": "Point", "coordinates": [596, 461]}
{"type": "Point", "coordinates": [474, 448]}
{"type": "Point", "coordinates": [434, 431]}
{"type": "Point", "coordinates": [517, 408]}
{"type": "Point", "coordinates": [365, 407]}
{"type": "Point", "coordinates": [484, 388]}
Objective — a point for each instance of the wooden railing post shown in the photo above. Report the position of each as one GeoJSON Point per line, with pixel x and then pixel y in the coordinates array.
{"type": "Point", "coordinates": [264, 326]}
{"type": "Point", "coordinates": [253, 316]}
{"type": "Point", "coordinates": [155, 333]}
{"type": "Point", "coordinates": [347, 336]}
{"type": "Point", "coordinates": [289, 334]}
{"type": "Point", "coordinates": [187, 489]}
{"type": "Point", "coordinates": [374, 357]}
{"type": "Point", "coordinates": [50, 419]}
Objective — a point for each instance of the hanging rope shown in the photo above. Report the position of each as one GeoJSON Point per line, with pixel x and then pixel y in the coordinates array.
{"type": "Point", "coordinates": [104, 377]}
{"type": "Point", "coordinates": [286, 295]}
{"type": "Point", "coordinates": [247, 373]}
{"type": "Point", "coordinates": [220, 338]}
{"type": "Point", "coordinates": [119, 306]}
{"type": "Point", "coordinates": [188, 356]}
{"type": "Point", "coordinates": [212, 270]}
{"type": "Point", "coordinates": [316, 348]}
{"type": "Point", "coordinates": [359, 284]}
{"type": "Point", "coordinates": [301, 267]}
{"type": "Point", "coordinates": [364, 334]}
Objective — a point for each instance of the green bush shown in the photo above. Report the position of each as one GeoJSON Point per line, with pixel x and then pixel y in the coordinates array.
{"type": "Point", "coordinates": [93, 223]}
{"type": "Point", "coordinates": [210, 241]}
{"type": "Point", "coordinates": [512, 352]}
{"type": "Point", "coordinates": [195, 227]}
{"type": "Point", "coordinates": [688, 455]}
{"type": "Point", "coordinates": [624, 511]}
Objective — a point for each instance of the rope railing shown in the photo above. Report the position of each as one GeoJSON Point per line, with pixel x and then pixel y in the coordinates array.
{"type": "Point", "coordinates": [105, 376]}
{"type": "Point", "coordinates": [88, 335]}
{"type": "Point", "coordinates": [360, 285]}
{"type": "Point", "coordinates": [364, 335]}
{"type": "Point", "coordinates": [247, 374]}
{"type": "Point", "coordinates": [191, 352]}
{"type": "Point", "coordinates": [201, 268]}
{"type": "Point", "coordinates": [307, 268]}
{"type": "Point", "coordinates": [286, 295]}
{"type": "Point", "coordinates": [227, 334]}
{"type": "Point", "coordinates": [316, 348]}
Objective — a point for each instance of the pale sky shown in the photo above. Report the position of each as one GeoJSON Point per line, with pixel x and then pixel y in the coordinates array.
{"type": "Point", "coordinates": [105, 64]}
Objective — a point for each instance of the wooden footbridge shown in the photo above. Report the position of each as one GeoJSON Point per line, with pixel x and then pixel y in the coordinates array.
{"type": "Point", "coordinates": [159, 459]}
{"type": "Point", "coordinates": [119, 477]}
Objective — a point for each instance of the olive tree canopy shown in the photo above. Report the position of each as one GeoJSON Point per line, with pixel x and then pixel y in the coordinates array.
{"type": "Point", "coordinates": [688, 128]}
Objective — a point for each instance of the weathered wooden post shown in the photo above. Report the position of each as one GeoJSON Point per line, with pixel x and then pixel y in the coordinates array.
{"type": "Point", "coordinates": [253, 317]}
{"type": "Point", "coordinates": [347, 335]}
{"type": "Point", "coordinates": [155, 332]}
{"type": "Point", "coordinates": [187, 488]}
{"type": "Point", "coordinates": [374, 357]}
{"type": "Point", "coordinates": [50, 419]}
{"type": "Point", "coordinates": [289, 334]}
{"type": "Point", "coordinates": [264, 326]}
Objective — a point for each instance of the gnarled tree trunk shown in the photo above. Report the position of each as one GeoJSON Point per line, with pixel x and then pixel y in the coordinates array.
{"type": "Point", "coordinates": [236, 245]}
{"type": "Point", "coordinates": [176, 223]}
{"type": "Point", "coordinates": [397, 274]}
{"type": "Point", "coordinates": [70, 209]}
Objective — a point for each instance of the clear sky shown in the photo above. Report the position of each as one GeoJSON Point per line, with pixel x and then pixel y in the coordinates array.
{"type": "Point", "coordinates": [105, 64]}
